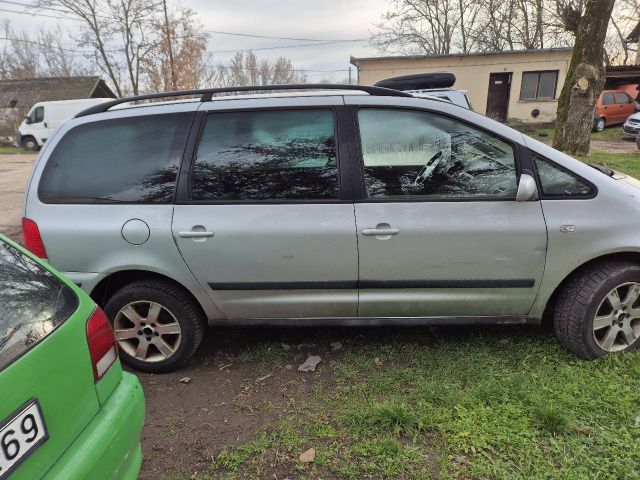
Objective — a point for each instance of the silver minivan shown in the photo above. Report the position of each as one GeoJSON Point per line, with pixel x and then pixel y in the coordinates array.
{"type": "Point", "coordinates": [347, 204]}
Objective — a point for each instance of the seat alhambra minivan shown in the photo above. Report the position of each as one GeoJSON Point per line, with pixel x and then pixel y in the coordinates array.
{"type": "Point", "coordinates": [330, 203]}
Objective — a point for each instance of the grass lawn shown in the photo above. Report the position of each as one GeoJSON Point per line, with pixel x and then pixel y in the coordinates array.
{"type": "Point", "coordinates": [610, 133]}
{"type": "Point", "coordinates": [453, 403]}
{"type": "Point", "coordinates": [5, 150]}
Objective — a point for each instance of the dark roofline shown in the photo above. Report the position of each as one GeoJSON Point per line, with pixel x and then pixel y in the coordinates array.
{"type": "Point", "coordinates": [355, 60]}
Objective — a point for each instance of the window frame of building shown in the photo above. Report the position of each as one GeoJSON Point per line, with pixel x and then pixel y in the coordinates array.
{"type": "Point", "coordinates": [539, 74]}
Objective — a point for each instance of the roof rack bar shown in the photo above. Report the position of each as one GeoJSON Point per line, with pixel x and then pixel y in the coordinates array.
{"type": "Point", "coordinates": [207, 94]}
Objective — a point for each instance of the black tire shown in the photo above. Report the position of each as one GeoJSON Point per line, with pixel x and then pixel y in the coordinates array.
{"type": "Point", "coordinates": [179, 307]}
{"type": "Point", "coordinates": [579, 300]}
{"type": "Point", "coordinates": [30, 144]}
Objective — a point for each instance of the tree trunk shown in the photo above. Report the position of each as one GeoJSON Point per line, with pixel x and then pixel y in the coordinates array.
{"type": "Point", "coordinates": [584, 82]}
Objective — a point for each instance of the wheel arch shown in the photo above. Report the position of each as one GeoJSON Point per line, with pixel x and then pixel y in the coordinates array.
{"type": "Point", "coordinates": [117, 280]}
{"type": "Point", "coordinates": [628, 256]}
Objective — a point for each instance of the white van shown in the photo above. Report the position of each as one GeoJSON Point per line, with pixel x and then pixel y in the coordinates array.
{"type": "Point", "coordinates": [45, 117]}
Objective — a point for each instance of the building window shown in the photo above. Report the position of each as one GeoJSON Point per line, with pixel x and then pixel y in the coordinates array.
{"type": "Point", "coordinates": [539, 85]}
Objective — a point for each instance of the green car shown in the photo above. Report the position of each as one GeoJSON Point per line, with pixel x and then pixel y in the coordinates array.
{"type": "Point", "coordinates": [67, 410]}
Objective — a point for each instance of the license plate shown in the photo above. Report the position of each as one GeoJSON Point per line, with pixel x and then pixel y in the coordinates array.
{"type": "Point", "coordinates": [20, 435]}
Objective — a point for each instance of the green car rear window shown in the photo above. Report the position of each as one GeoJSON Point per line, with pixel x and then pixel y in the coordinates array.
{"type": "Point", "coordinates": [33, 303]}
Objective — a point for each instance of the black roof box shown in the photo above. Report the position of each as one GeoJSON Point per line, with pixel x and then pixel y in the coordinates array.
{"type": "Point", "coordinates": [419, 81]}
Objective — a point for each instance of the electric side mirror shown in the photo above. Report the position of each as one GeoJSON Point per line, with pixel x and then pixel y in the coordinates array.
{"type": "Point", "coordinates": [527, 189]}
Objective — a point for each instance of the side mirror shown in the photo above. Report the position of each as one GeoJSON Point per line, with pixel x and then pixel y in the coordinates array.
{"type": "Point", "coordinates": [27, 120]}
{"type": "Point", "coordinates": [527, 189]}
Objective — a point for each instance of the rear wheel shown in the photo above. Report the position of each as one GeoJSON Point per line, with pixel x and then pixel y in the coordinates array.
{"type": "Point", "coordinates": [598, 311]}
{"type": "Point", "coordinates": [30, 143]}
{"type": "Point", "coordinates": [157, 324]}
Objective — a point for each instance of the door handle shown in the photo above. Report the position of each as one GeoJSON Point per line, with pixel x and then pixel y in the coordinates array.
{"type": "Point", "coordinates": [195, 234]}
{"type": "Point", "coordinates": [380, 231]}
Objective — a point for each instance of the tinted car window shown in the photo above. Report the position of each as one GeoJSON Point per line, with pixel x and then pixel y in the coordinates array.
{"type": "Point", "coordinates": [128, 160]}
{"type": "Point", "coordinates": [33, 302]}
{"type": "Point", "coordinates": [607, 99]}
{"type": "Point", "coordinates": [412, 153]}
{"type": "Point", "coordinates": [266, 155]}
{"type": "Point", "coordinates": [557, 182]}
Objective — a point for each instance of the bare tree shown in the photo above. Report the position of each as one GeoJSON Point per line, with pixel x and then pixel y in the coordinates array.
{"type": "Point", "coordinates": [245, 69]}
{"type": "Point", "coordinates": [585, 76]}
{"type": "Point", "coordinates": [433, 27]}
{"type": "Point", "coordinates": [119, 32]}
{"type": "Point", "coordinates": [177, 60]}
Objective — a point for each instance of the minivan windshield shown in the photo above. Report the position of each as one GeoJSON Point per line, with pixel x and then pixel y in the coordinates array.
{"type": "Point", "coordinates": [33, 303]}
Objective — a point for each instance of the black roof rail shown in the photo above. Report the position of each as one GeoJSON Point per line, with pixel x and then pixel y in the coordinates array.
{"type": "Point", "coordinates": [208, 93]}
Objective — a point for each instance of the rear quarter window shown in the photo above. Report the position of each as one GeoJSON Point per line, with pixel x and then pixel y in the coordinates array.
{"type": "Point", "coordinates": [132, 159]}
{"type": "Point", "coordinates": [33, 303]}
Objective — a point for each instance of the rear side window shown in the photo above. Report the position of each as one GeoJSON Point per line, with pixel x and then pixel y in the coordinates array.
{"type": "Point", "coordinates": [557, 182]}
{"type": "Point", "coordinates": [33, 302]}
{"type": "Point", "coordinates": [123, 160]}
{"type": "Point", "coordinates": [622, 97]}
{"type": "Point", "coordinates": [266, 155]}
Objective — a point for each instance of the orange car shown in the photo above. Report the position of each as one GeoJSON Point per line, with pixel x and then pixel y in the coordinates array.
{"type": "Point", "coordinates": [613, 108]}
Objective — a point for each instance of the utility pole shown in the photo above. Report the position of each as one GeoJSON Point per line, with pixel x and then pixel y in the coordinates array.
{"type": "Point", "coordinates": [168, 30]}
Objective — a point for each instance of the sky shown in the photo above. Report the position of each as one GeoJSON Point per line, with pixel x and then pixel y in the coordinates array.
{"type": "Point", "coordinates": [302, 19]}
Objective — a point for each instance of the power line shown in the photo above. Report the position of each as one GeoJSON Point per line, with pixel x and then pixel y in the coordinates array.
{"type": "Point", "coordinates": [352, 40]}
{"type": "Point", "coordinates": [39, 15]}
{"type": "Point", "coordinates": [276, 48]}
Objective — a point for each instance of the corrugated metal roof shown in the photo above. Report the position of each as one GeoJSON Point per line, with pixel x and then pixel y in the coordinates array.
{"type": "Point", "coordinates": [25, 92]}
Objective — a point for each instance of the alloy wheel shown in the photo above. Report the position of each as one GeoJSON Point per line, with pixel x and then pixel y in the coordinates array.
{"type": "Point", "coordinates": [616, 324]}
{"type": "Point", "coordinates": [147, 331]}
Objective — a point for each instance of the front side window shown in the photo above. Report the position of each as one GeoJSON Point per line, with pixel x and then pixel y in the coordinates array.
{"type": "Point", "coordinates": [421, 154]}
{"type": "Point", "coordinates": [123, 160]}
{"type": "Point", "coordinates": [33, 303]}
{"type": "Point", "coordinates": [37, 115]}
{"type": "Point", "coordinates": [266, 155]}
{"type": "Point", "coordinates": [539, 85]}
{"type": "Point", "coordinates": [557, 182]}
{"type": "Point", "coordinates": [607, 99]}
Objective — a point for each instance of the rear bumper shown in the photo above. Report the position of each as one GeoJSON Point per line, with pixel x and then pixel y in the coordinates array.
{"type": "Point", "coordinates": [109, 448]}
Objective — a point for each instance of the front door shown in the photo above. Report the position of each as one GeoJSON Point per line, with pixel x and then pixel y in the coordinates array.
{"type": "Point", "coordinates": [263, 227]}
{"type": "Point", "coordinates": [439, 231]}
{"type": "Point", "coordinates": [498, 96]}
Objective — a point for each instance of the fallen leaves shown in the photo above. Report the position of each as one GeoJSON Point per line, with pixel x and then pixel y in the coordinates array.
{"type": "Point", "coordinates": [308, 456]}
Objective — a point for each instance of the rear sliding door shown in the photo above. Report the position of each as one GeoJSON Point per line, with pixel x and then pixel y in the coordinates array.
{"type": "Point", "coordinates": [261, 222]}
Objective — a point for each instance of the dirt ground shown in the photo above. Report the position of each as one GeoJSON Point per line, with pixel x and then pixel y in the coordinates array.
{"type": "Point", "coordinates": [239, 379]}
{"type": "Point", "coordinates": [14, 173]}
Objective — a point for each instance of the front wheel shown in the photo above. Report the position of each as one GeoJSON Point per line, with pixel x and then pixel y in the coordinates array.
{"type": "Point", "coordinates": [157, 324]}
{"type": "Point", "coordinates": [598, 311]}
{"type": "Point", "coordinates": [599, 124]}
{"type": "Point", "coordinates": [29, 143]}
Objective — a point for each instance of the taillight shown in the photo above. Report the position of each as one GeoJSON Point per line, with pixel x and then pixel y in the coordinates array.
{"type": "Point", "coordinates": [102, 344]}
{"type": "Point", "coordinates": [32, 238]}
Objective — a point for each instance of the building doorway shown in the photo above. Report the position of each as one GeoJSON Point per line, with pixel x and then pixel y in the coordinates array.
{"type": "Point", "coordinates": [498, 96]}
